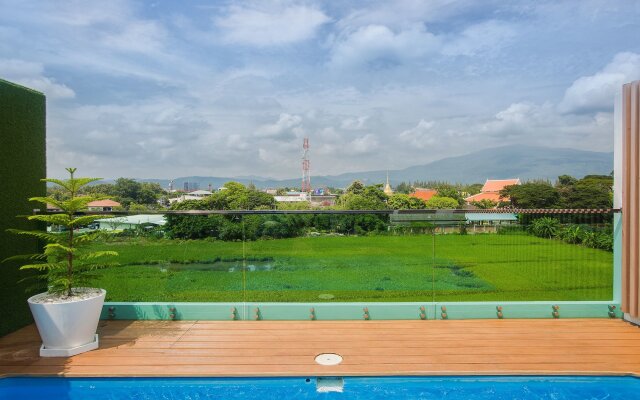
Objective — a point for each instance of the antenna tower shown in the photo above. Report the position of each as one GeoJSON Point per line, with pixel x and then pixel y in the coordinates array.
{"type": "Point", "coordinates": [306, 176]}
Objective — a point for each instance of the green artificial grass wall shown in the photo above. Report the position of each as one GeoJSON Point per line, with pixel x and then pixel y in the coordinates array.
{"type": "Point", "coordinates": [22, 165]}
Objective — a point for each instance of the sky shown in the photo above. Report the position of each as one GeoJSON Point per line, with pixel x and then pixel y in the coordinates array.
{"type": "Point", "coordinates": [163, 89]}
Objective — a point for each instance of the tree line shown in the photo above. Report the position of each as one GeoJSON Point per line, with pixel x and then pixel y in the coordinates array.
{"type": "Point", "coordinates": [133, 195]}
{"type": "Point", "coordinates": [592, 191]}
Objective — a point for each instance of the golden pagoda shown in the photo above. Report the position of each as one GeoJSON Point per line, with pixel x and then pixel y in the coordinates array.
{"type": "Point", "coordinates": [387, 188]}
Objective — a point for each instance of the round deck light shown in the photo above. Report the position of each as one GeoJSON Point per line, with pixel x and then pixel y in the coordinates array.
{"type": "Point", "coordinates": [328, 359]}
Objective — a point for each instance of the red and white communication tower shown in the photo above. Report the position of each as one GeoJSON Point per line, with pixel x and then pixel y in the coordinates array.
{"type": "Point", "coordinates": [306, 176]}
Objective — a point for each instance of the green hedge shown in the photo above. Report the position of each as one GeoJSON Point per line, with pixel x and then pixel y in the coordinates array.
{"type": "Point", "coordinates": [22, 165]}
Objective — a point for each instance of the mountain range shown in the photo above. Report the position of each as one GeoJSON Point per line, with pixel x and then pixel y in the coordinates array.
{"type": "Point", "coordinates": [515, 161]}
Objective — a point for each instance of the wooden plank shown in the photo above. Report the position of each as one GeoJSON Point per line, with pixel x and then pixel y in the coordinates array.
{"type": "Point", "coordinates": [350, 351]}
{"type": "Point", "coordinates": [288, 348]}
{"type": "Point", "coordinates": [376, 359]}
{"type": "Point", "coordinates": [287, 370]}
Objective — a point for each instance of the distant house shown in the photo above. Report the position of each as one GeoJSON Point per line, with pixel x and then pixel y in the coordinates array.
{"type": "Point", "coordinates": [491, 190]}
{"type": "Point", "coordinates": [423, 194]}
{"type": "Point", "coordinates": [103, 205]}
{"type": "Point", "coordinates": [292, 197]}
{"type": "Point", "coordinates": [446, 221]}
{"type": "Point", "coordinates": [195, 195]}
{"type": "Point", "coordinates": [324, 200]}
{"type": "Point", "coordinates": [52, 209]}
{"type": "Point", "coordinates": [131, 222]}
{"type": "Point", "coordinates": [199, 193]}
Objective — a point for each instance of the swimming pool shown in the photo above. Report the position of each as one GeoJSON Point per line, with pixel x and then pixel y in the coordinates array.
{"type": "Point", "coordinates": [496, 388]}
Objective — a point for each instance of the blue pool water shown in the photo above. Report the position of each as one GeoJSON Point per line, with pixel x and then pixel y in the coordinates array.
{"type": "Point", "coordinates": [458, 388]}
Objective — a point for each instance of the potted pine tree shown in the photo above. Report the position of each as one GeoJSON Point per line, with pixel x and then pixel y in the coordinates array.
{"type": "Point", "coordinates": [67, 314]}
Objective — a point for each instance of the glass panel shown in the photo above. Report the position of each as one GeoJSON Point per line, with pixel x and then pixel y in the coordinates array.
{"type": "Point", "coordinates": [525, 257]}
{"type": "Point", "coordinates": [203, 264]}
{"type": "Point", "coordinates": [339, 257]}
{"type": "Point", "coordinates": [405, 256]}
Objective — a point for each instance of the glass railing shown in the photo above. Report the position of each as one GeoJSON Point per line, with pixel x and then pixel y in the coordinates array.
{"type": "Point", "coordinates": [526, 256]}
{"type": "Point", "coordinates": [343, 258]}
{"type": "Point", "coordinates": [377, 256]}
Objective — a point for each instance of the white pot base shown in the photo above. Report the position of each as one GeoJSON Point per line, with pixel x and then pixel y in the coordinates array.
{"type": "Point", "coordinates": [44, 352]}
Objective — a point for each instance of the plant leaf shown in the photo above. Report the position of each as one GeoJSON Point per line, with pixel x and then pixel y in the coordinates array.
{"type": "Point", "coordinates": [26, 257]}
{"type": "Point", "coordinates": [97, 254]}
{"type": "Point", "coordinates": [46, 236]}
{"type": "Point", "coordinates": [59, 182]}
{"type": "Point", "coordinates": [45, 266]}
{"type": "Point", "coordinates": [48, 200]}
{"type": "Point", "coordinates": [55, 219]}
{"type": "Point", "coordinates": [51, 248]}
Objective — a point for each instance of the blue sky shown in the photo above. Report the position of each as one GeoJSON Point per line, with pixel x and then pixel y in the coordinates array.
{"type": "Point", "coordinates": [229, 88]}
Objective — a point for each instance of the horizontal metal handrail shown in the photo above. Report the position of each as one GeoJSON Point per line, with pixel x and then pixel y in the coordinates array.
{"type": "Point", "coordinates": [348, 212]}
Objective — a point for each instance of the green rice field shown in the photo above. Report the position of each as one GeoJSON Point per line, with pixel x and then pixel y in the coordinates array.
{"type": "Point", "coordinates": [483, 267]}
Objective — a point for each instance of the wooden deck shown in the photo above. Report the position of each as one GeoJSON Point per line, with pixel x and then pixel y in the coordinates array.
{"type": "Point", "coordinates": [265, 348]}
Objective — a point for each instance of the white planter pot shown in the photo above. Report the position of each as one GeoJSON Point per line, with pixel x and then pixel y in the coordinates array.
{"type": "Point", "coordinates": [67, 328]}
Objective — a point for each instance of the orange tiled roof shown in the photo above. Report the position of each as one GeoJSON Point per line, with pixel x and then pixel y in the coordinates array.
{"type": "Point", "coordinates": [424, 194]}
{"type": "Point", "coordinates": [104, 203]}
{"type": "Point", "coordinates": [493, 196]}
{"type": "Point", "coordinates": [496, 185]}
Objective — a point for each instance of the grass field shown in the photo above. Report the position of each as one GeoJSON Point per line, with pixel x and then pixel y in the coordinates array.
{"type": "Point", "coordinates": [373, 268]}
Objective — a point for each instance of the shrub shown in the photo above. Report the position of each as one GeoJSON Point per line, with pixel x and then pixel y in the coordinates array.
{"type": "Point", "coordinates": [439, 202]}
{"type": "Point", "coordinates": [463, 229]}
{"type": "Point", "coordinates": [571, 234]}
{"type": "Point", "coordinates": [545, 227]}
{"type": "Point", "coordinates": [604, 241]}
{"type": "Point", "coordinates": [590, 239]}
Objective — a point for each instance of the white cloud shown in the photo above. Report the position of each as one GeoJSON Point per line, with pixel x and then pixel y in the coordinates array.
{"type": "Point", "coordinates": [32, 75]}
{"type": "Point", "coordinates": [263, 26]}
{"type": "Point", "coordinates": [487, 36]}
{"type": "Point", "coordinates": [237, 142]}
{"type": "Point", "coordinates": [132, 139]}
{"type": "Point", "coordinates": [138, 37]}
{"type": "Point", "coordinates": [400, 13]}
{"type": "Point", "coordinates": [77, 13]}
{"type": "Point", "coordinates": [363, 144]}
{"type": "Point", "coordinates": [541, 124]}
{"type": "Point", "coordinates": [286, 128]}
{"type": "Point", "coordinates": [354, 124]}
{"type": "Point", "coordinates": [524, 120]}
{"type": "Point", "coordinates": [596, 92]}
{"type": "Point", "coordinates": [421, 135]}
{"type": "Point", "coordinates": [516, 113]}
{"type": "Point", "coordinates": [156, 96]}
{"type": "Point", "coordinates": [379, 46]}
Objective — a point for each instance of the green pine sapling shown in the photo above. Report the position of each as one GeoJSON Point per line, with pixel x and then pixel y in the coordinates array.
{"type": "Point", "coordinates": [66, 261]}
